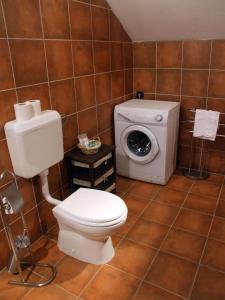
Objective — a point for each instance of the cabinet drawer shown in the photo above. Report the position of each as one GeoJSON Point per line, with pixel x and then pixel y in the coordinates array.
{"type": "Point", "coordinates": [87, 183]}
{"type": "Point", "coordinates": [82, 171]}
{"type": "Point", "coordinates": [104, 185]}
{"type": "Point", "coordinates": [95, 165]}
{"type": "Point", "coordinates": [111, 188]}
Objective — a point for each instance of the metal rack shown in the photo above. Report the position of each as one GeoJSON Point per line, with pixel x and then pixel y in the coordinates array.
{"type": "Point", "coordinates": [201, 173]}
{"type": "Point", "coordinates": [11, 202]}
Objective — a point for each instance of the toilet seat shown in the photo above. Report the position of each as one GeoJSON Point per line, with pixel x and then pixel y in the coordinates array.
{"type": "Point", "coordinates": [92, 208]}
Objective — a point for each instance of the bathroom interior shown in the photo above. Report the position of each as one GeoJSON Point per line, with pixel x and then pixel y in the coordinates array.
{"type": "Point", "coordinates": [127, 74]}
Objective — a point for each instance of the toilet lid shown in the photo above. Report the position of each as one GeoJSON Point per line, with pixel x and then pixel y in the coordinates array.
{"type": "Point", "coordinates": [92, 206]}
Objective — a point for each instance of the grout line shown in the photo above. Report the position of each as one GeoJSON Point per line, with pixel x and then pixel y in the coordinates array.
{"type": "Point", "coordinates": [213, 268]}
{"type": "Point", "coordinates": [203, 151]}
{"type": "Point", "coordinates": [133, 53]}
{"type": "Point", "coordinates": [9, 49]}
{"type": "Point", "coordinates": [91, 4]}
{"type": "Point", "coordinates": [185, 40]}
{"type": "Point", "coordinates": [36, 202]}
{"type": "Point", "coordinates": [178, 69]}
{"type": "Point", "coordinates": [101, 73]}
{"type": "Point", "coordinates": [204, 248]}
{"type": "Point", "coordinates": [74, 40]}
{"type": "Point", "coordinates": [25, 213]}
{"type": "Point", "coordinates": [45, 53]}
{"type": "Point", "coordinates": [93, 65]}
{"type": "Point", "coordinates": [164, 289]}
{"type": "Point", "coordinates": [90, 281]}
{"type": "Point", "coordinates": [162, 242]}
{"type": "Point", "coordinates": [208, 80]}
{"type": "Point", "coordinates": [156, 68]}
{"type": "Point", "coordinates": [122, 271]}
{"type": "Point", "coordinates": [73, 70]}
{"type": "Point", "coordinates": [68, 78]}
{"type": "Point", "coordinates": [181, 72]}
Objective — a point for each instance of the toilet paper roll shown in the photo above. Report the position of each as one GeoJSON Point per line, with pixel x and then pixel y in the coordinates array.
{"type": "Point", "coordinates": [36, 105]}
{"type": "Point", "coordinates": [23, 111]}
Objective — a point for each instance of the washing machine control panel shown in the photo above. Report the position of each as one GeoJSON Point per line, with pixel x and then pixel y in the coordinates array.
{"type": "Point", "coordinates": [159, 118]}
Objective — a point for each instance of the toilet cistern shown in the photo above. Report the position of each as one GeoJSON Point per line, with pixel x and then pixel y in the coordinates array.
{"type": "Point", "coordinates": [35, 142]}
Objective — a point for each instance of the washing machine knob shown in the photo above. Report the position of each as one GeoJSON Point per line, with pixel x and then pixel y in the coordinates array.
{"type": "Point", "coordinates": [158, 118]}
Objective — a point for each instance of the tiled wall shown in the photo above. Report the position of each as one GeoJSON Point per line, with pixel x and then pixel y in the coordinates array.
{"type": "Point", "coordinates": [193, 73]}
{"type": "Point", "coordinates": [76, 58]}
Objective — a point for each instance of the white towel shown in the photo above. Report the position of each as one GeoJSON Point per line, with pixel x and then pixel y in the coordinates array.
{"type": "Point", "coordinates": [206, 124]}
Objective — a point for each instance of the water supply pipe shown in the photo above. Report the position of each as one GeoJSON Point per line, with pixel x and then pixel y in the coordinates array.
{"type": "Point", "coordinates": [45, 189]}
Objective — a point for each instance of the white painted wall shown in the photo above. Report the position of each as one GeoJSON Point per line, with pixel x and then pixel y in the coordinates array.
{"type": "Point", "coordinates": [154, 20]}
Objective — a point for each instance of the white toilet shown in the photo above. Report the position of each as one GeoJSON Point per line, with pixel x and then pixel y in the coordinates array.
{"type": "Point", "coordinates": [86, 218]}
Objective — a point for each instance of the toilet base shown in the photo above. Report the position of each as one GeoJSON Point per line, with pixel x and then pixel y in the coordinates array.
{"type": "Point", "coordinates": [94, 251]}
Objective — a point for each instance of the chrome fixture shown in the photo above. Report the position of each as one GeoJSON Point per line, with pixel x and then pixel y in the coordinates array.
{"type": "Point", "coordinates": [11, 202]}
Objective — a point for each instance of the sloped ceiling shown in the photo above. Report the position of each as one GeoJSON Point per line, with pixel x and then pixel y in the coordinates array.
{"type": "Point", "coordinates": [155, 20]}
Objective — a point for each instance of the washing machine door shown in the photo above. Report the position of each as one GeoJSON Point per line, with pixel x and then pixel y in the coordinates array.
{"type": "Point", "coordinates": [139, 144]}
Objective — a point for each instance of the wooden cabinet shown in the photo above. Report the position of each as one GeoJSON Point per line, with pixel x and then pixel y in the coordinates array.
{"type": "Point", "coordinates": [95, 171]}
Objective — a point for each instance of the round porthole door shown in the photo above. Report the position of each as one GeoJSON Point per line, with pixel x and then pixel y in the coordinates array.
{"type": "Point", "coordinates": [139, 144]}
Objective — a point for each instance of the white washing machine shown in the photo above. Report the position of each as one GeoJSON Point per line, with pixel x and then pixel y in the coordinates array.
{"type": "Point", "coordinates": [146, 133]}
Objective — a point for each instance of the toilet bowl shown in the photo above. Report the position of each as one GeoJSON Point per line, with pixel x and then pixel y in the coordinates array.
{"type": "Point", "coordinates": [86, 220]}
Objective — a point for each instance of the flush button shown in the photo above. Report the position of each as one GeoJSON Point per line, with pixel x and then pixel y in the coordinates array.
{"type": "Point", "coordinates": [158, 118]}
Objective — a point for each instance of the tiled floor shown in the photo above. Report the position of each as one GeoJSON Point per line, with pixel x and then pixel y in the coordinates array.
{"type": "Point", "coordinates": [172, 247]}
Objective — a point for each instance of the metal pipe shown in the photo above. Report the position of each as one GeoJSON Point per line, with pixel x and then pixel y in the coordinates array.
{"type": "Point", "coordinates": [192, 121]}
{"type": "Point", "coordinates": [218, 135]}
{"type": "Point", "coordinates": [194, 110]}
{"type": "Point", "coordinates": [16, 260]}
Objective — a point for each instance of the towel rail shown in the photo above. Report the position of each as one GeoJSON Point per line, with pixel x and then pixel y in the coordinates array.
{"type": "Point", "coordinates": [194, 110]}
{"type": "Point", "coordinates": [218, 135]}
{"type": "Point", "coordinates": [201, 172]}
{"type": "Point", "coordinates": [192, 121]}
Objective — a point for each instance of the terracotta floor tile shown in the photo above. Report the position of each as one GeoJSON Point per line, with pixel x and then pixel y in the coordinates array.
{"type": "Point", "coordinates": [161, 213]}
{"type": "Point", "coordinates": [148, 233]}
{"type": "Point", "coordinates": [123, 184]}
{"type": "Point", "coordinates": [218, 229]}
{"type": "Point", "coordinates": [172, 273]}
{"type": "Point", "coordinates": [216, 178]}
{"type": "Point", "coordinates": [193, 221]}
{"type": "Point", "coordinates": [135, 204]}
{"type": "Point", "coordinates": [48, 292]}
{"type": "Point", "coordinates": [115, 239]}
{"type": "Point", "coordinates": [120, 194]}
{"type": "Point", "coordinates": [133, 258]}
{"type": "Point", "coordinates": [214, 254]}
{"type": "Point", "coordinates": [205, 188]}
{"type": "Point", "coordinates": [179, 183]}
{"type": "Point", "coordinates": [178, 171]}
{"type": "Point", "coordinates": [220, 210]}
{"type": "Point", "coordinates": [171, 196]}
{"type": "Point", "coordinates": [209, 285]}
{"type": "Point", "coordinates": [131, 219]}
{"type": "Point", "coordinates": [144, 189]}
{"type": "Point", "coordinates": [111, 284]}
{"type": "Point", "coordinates": [184, 244]}
{"type": "Point", "coordinates": [14, 292]}
{"type": "Point", "coordinates": [222, 195]}
{"type": "Point", "coordinates": [73, 274]}
{"type": "Point", "coordinates": [46, 251]}
{"type": "Point", "coordinates": [150, 292]}
{"type": "Point", "coordinates": [201, 203]}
